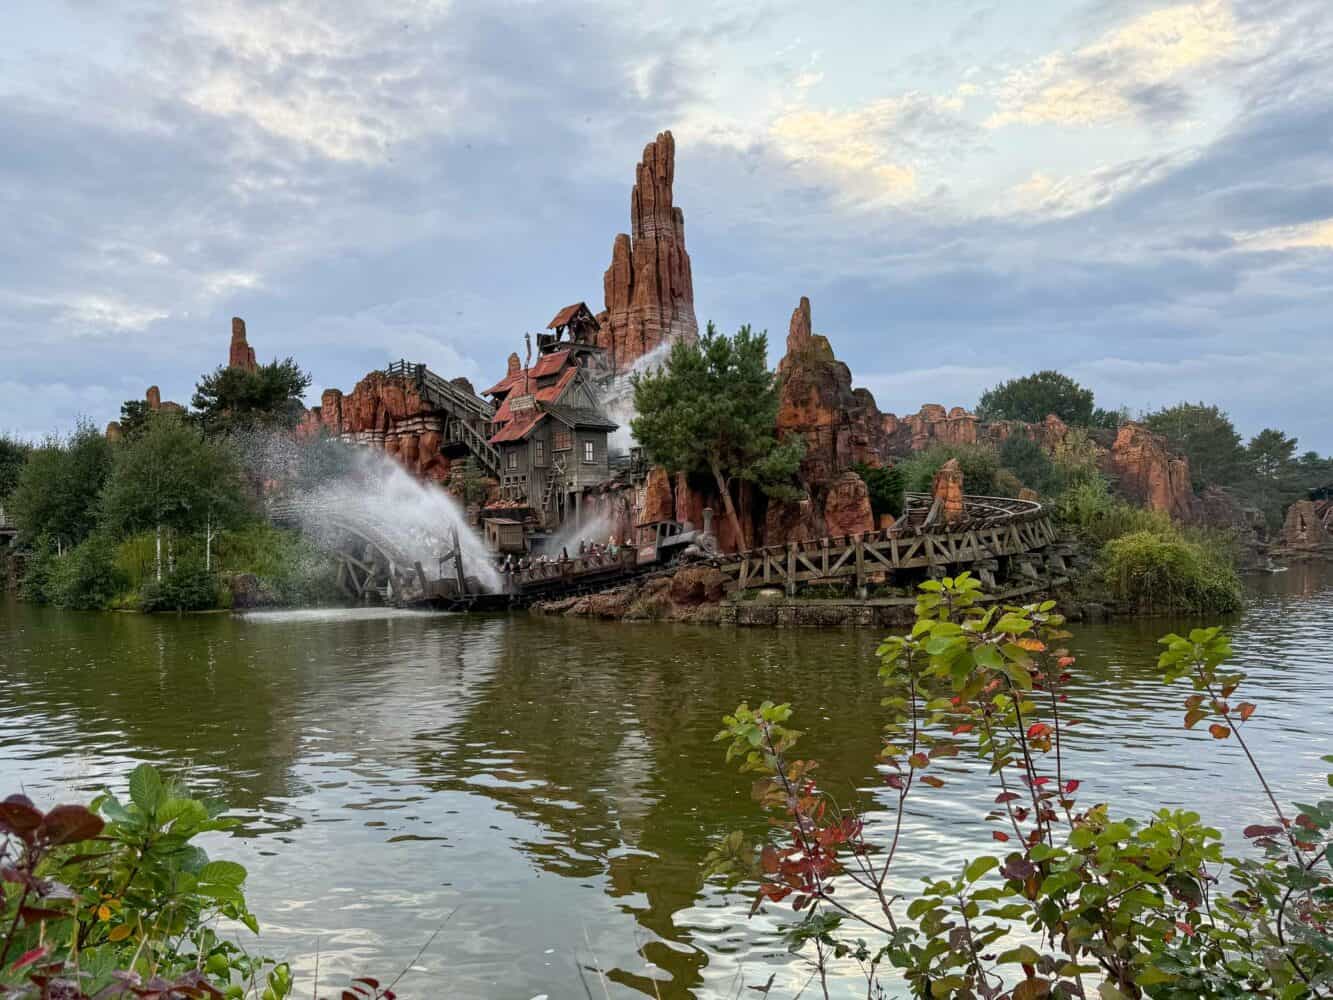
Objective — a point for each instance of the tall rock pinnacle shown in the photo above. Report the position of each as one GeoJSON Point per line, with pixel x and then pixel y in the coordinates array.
{"type": "Point", "coordinates": [241, 355]}
{"type": "Point", "coordinates": [649, 290]}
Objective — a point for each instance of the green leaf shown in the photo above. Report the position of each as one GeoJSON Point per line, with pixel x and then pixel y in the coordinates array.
{"type": "Point", "coordinates": [222, 873]}
{"type": "Point", "coordinates": [1023, 953]}
{"type": "Point", "coordinates": [146, 789]}
{"type": "Point", "coordinates": [1108, 992]}
{"type": "Point", "coordinates": [980, 867]}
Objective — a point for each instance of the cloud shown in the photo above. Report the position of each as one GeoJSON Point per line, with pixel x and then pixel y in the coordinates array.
{"type": "Point", "coordinates": [1142, 69]}
{"type": "Point", "coordinates": [1310, 236]}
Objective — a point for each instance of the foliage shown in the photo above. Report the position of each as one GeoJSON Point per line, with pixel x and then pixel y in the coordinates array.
{"type": "Point", "coordinates": [1277, 480]}
{"type": "Point", "coordinates": [56, 493]}
{"type": "Point", "coordinates": [13, 454]}
{"type": "Point", "coordinates": [1206, 436]}
{"type": "Point", "coordinates": [36, 585]}
{"type": "Point", "coordinates": [189, 587]}
{"type": "Point", "coordinates": [232, 400]}
{"type": "Point", "coordinates": [1033, 397]}
{"type": "Point", "coordinates": [1075, 458]}
{"type": "Point", "coordinates": [173, 478]}
{"type": "Point", "coordinates": [885, 484]}
{"type": "Point", "coordinates": [1029, 462]}
{"type": "Point", "coordinates": [291, 569]}
{"type": "Point", "coordinates": [1096, 515]}
{"type": "Point", "coordinates": [712, 409]}
{"type": "Point", "coordinates": [1157, 572]}
{"type": "Point", "coordinates": [87, 577]}
{"type": "Point", "coordinates": [135, 415]}
{"type": "Point", "coordinates": [473, 484]}
{"type": "Point", "coordinates": [979, 463]}
{"type": "Point", "coordinates": [1079, 901]}
{"type": "Point", "coordinates": [117, 900]}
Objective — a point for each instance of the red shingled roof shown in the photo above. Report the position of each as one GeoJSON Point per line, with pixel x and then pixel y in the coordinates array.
{"type": "Point", "coordinates": [517, 429]}
{"type": "Point", "coordinates": [547, 364]}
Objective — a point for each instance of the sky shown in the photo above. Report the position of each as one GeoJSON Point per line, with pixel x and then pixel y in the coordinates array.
{"type": "Point", "coordinates": [1137, 193]}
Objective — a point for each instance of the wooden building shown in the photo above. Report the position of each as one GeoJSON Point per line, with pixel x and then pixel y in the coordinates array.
{"type": "Point", "coordinates": [550, 430]}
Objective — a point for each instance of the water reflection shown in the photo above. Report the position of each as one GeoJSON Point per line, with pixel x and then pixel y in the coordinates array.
{"type": "Point", "coordinates": [549, 787]}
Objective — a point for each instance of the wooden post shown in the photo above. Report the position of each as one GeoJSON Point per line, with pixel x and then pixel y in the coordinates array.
{"type": "Point", "coordinates": [421, 579]}
{"type": "Point", "coordinates": [791, 569]}
{"type": "Point", "coordinates": [458, 565]}
{"type": "Point", "coordinates": [860, 568]}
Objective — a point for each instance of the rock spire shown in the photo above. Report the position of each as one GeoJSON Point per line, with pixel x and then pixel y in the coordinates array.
{"type": "Point", "coordinates": [649, 290]}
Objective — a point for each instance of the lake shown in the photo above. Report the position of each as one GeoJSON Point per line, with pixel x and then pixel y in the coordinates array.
{"type": "Point", "coordinates": [543, 791]}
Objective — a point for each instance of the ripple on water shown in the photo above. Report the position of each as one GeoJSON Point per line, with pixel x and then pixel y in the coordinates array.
{"type": "Point", "coordinates": [546, 790]}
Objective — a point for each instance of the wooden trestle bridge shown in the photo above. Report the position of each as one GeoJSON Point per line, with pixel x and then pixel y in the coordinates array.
{"type": "Point", "coordinates": [999, 539]}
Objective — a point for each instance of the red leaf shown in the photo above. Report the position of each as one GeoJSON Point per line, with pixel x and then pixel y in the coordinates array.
{"type": "Point", "coordinates": [1066, 661]}
{"type": "Point", "coordinates": [19, 816]}
{"type": "Point", "coordinates": [1219, 731]}
{"type": "Point", "coordinates": [932, 781]}
{"type": "Point", "coordinates": [893, 781]}
{"type": "Point", "coordinates": [70, 824]}
{"type": "Point", "coordinates": [1246, 710]}
{"type": "Point", "coordinates": [918, 760]}
{"type": "Point", "coordinates": [1185, 928]}
{"type": "Point", "coordinates": [1038, 730]}
{"type": "Point", "coordinates": [1006, 797]}
{"type": "Point", "coordinates": [962, 727]}
{"type": "Point", "coordinates": [1071, 786]}
{"type": "Point", "coordinates": [28, 957]}
{"type": "Point", "coordinates": [999, 835]}
{"type": "Point", "coordinates": [1259, 830]}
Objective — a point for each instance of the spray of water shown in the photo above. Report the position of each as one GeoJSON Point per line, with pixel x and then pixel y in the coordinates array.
{"type": "Point", "coordinates": [617, 399]}
{"type": "Point", "coordinates": [597, 530]}
{"type": "Point", "coordinates": [333, 486]}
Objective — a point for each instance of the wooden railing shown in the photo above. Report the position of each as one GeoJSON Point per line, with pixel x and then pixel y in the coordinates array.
{"type": "Point", "coordinates": [993, 527]}
{"type": "Point", "coordinates": [470, 416]}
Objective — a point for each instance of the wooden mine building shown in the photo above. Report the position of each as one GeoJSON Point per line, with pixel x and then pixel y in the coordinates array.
{"type": "Point", "coordinates": [549, 427]}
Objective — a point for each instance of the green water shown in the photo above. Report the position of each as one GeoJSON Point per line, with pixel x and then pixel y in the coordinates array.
{"type": "Point", "coordinates": [546, 789]}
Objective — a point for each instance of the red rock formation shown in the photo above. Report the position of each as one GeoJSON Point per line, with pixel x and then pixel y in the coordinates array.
{"type": "Point", "coordinates": [793, 521]}
{"type": "Point", "coordinates": [841, 425]}
{"type": "Point", "coordinates": [847, 509]}
{"type": "Point", "coordinates": [241, 354]}
{"type": "Point", "coordinates": [114, 432]}
{"type": "Point", "coordinates": [1148, 473]}
{"type": "Point", "coordinates": [153, 397]}
{"type": "Point", "coordinates": [659, 504]}
{"type": "Point", "coordinates": [932, 424]}
{"type": "Point", "coordinates": [947, 488]}
{"type": "Point", "coordinates": [387, 413]}
{"type": "Point", "coordinates": [1304, 527]}
{"type": "Point", "coordinates": [649, 289]}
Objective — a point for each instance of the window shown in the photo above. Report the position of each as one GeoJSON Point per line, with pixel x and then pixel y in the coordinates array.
{"type": "Point", "coordinates": [563, 441]}
{"type": "Point", "coordinates": [511, 459]}
{"type": "Point", "coordinates": [589, 454]}
{"type": "Point", "coordinates": [539, 452]}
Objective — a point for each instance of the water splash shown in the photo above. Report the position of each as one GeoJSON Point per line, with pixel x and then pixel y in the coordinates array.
{"type": "Point", "coordinates": [617, 399]}
{"type": "Point", "coordinates": [333, 487]}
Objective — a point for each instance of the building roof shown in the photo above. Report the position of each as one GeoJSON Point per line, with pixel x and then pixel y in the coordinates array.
{"type": "Point", "coordinates": [547, 364]}
{"type": "Point", "coordinates": [579, 416]}
{"type": "Point", "coordinates": [519, 427]}
{"type": "Point", "coordinates": [566, 314]}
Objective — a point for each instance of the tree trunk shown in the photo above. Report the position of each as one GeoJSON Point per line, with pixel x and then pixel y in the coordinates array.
{"type": "Point", "coordinates": [208, 544]}
{"type": "Point", "coordinates": [728, 506]}
{"type": "Point", "coordinates": [157, 546]}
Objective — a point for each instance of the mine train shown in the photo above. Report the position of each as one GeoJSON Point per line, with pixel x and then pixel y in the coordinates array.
{"type": "Point", "coordinates": [654, 543]}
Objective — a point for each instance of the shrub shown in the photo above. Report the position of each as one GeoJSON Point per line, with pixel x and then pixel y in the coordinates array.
{"type": "Point", "coordinates": [117, 900]}
{"type": "Point", "coordinates": [287, 564]}
{"type": "Point", "coordinates": [1029, 462]}
{"type": "Point", "coordinates": [87, 578]}
{"type": "Point", "coordinates": [979, 464]}
{"type": "Point", "coordinates": [39, 571]}
{"type": "Point", "coordinates": [1165, 572]}
{"type": "Point", "coordinates": [189, 588]}
{"type": "Point", "coordinates": [886, 488]}
{"type": "Point", "coordinates": [1077, 902]}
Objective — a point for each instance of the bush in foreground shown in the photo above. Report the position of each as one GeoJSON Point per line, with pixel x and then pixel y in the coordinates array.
{"type": "Point", "coordinates": [1079, 902]}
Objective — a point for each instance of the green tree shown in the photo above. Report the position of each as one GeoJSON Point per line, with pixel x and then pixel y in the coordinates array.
{"type": "Point", "coordinates": [1205, 435]}
{"type": "Point", "coordinates": [134, 417]}
{"type": "Point", "coordinates": [13, 455]}
{"type": "Point", "coordinates": [268, 398]}
{"type": "Point", "coordinates": [1272, 460]}
{"type": "Point", "coordinates": [173, 478]}
{"type": "Point", "coordinates": [885, 484]}
{"type": "Point", "coordinates": [1033, 397]}
{"type": "Point", "coordinates": [1029, 462]}
{"type": "Point", "coordinates": [712, 409]}
{"type": "Point", "coordinates": [57, 489]}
